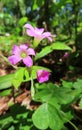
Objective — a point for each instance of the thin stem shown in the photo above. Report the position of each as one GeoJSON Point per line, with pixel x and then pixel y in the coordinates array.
{"type": "Point", "coordinates": [13, 94]}
{"type": "Point", "coordinates": [69, 121]}
{"type": "Point", "coordinates": [32, 88]}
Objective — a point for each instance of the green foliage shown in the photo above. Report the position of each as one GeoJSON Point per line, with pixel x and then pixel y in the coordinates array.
{"type": "Point", "coordinates": [47, 116]}
{"type": "Point", "coordinates": [52, 111]}
{"type": "Point", "coordinates": [78, 84]}
{"type": "Point", "coordinates": [55, 108]}
{"type": "Point", "coordinates": [51, 93]}
{"type": "Point", "coordinates": [22, 21]}
{"type": "Point", "coordinates": [17, 118]}
{"type": "Point", "coordinates": [60, 46]}
{"type": "Point", "coordinates": [18, 77]}
{"type": "Point", "coordinates": [5, 92]}
{"type": "Point", "coordinates": [6, 81]}
{"type": "Point", "coordinates": [55, 46]}
{"type": "Point", "coordinates": [80, 103]}
{"type": "Point", "coordinates": [21, 75]}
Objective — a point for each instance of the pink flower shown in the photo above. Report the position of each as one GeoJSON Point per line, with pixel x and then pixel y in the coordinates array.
{"type": "Point", "coordinates": [22, 52]}
{"type": "Point", "coordinates": [42, 76]}
{"type": "Point", "coordinates": [37, 33]}
{"type": "Point", "coordinates": [65, 56]}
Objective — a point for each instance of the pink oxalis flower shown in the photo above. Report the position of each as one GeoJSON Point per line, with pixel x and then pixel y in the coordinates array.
{"type": "Point", "coordinates": [42, 76]}
{"type": "Point", "coordinates": [23, 53]}
{"type": "Point", "coordinates": [66, 55]}
{"type": "Point", "coordinates": [37, 33]}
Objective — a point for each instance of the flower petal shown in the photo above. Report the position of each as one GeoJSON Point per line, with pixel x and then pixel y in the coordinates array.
{"type": "Point", "coordinates": [28, 26]}
{"type": "Point", "coordinates": [47, 35]}
{"type": "Point", "coordinates": [30, 32]}
{"type": "Point", "coordinates": [14, 59]}
{"type": "Point", "coordinates": [42, 76]}
{"type": "Point", "coordinates": [42, 79]}
{"type": "Point", "coordinates": [31, 51]}
{"type": "Point", "coordinates": [28, 61]}
{"type": "Point", "coordinates": [15, 50]}
{"type": "Point", "coordinates": [24, 46]}
{"type": "Point", "coordinates": [39, 30]}
{"type": "Point", "coordinates": [50, 39]}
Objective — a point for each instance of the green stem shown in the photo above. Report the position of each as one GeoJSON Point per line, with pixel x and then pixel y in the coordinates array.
{"type": "Point", "coordinates": [32, 88]}
{"type": "Point", "coordinates": [35, 43]}
{"type": "Point", "coordinates": [69, 121]}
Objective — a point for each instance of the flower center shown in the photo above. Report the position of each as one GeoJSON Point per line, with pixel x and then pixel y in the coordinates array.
{"type": "Point", "coordinates": [23, 55]}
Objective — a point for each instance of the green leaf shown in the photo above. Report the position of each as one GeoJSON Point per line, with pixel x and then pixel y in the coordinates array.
{"type": "Point", "coordinates": [80, 103]}
{"type": "Point", "coordinates": [35, 6]}
{"type": "Point", "coordinates": [43, 52]}
{"type": "Point", "coordinates": [47, 116]}
{"type": "Point", "coordinates": [49, 49]}
{"type": "Point", "coordinates": [6, 81]}
{"type": "Point", "coordinates": [18, 77]}
{"type": "Point", "coordinates": [60, 46]}
{"type": "Point", "coordinates": [5, 92]}
{"type": "Point", "coordinates": [16, 116]}
{"type": "Point", "coordinates": [59, 95]}
{"type": "Point", "coordinates": [78, 84]}
{"type": "Point", "coordinates": [41, 118]}
{"type": "Point", "coordinates": [67, 84]}
{"type": "Point", "coordinates": [26, 75]}
{"type": "Point", "coordinates": [22, 21]}
{"type": "Point", "coordinates": [5, 120]}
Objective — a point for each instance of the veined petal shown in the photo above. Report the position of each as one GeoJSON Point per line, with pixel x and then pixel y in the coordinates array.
{"type": "Point", "coordinates": [28, 26]}
{"type": "Point", "coordinates": [47, 34]}
{"type": "Point", "coordinates": [15, 50]}
{"type": "Point", "coordinates": [50, 39]}
{"type": "Point", "coordinates": [42, 76]}
{"type": "Point", "coordinates": [31, 51]}
{"type": "Point", "coordinates": [39, 30]}
{"type": "Point", "coordinates": [30, 32]}
{"type": "Point", "coordinates": [14, 59]}
{"type": "Point", "coordinates": [42, 79]}
{"type": "Point", "coordinates": [28, 61]}
{"type": "Point", "coordinates": [24, 46]}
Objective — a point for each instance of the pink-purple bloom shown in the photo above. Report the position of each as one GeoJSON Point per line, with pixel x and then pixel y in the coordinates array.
{"type": "Point", "coordinates": [38, 33]}
{"type": "Point", "coordinates": [65, 56]}
{"type": "Point", "coordinates": [23, 53]}
{"type": "Point", "coordinates": [42, 75]}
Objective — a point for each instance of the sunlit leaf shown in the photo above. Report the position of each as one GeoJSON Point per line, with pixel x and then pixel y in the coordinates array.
{"type": "Point", "coordinates": [6, 81]}
{"type": "Point", "coordinates": [47, 116]}
{"type": "Point", "coordinates": [60, 46]}
{"type": "Point", "coordinates": [43, 52]}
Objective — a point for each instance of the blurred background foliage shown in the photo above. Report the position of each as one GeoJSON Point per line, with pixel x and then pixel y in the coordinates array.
{"type": "Point", "coordinates": [61, 17]}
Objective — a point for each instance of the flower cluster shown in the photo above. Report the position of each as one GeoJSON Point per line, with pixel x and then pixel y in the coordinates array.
{"type": "Point", "coordinates": [24, 52]}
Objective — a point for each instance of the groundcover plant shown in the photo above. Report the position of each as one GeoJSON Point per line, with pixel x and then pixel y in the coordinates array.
{"type": "Point", "coordinates": [54, 102]}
